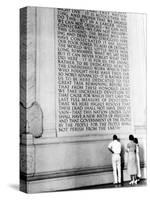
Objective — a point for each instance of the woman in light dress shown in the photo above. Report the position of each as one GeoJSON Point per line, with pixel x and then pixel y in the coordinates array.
{"type": "Point", "coordinates": [131, 163]}
{"type": "Point", "coordinates": [137, 160]}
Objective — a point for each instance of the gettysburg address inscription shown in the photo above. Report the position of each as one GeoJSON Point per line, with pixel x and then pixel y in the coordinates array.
{"type": "Point", "coordinates": [93, 91]}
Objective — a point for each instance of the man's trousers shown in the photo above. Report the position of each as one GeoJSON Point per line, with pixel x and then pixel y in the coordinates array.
{"type": "Point", "coordinates": [116, 164]}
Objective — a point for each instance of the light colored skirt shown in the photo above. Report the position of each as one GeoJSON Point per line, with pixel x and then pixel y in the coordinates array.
{"type": "Point", "coordinates": [132, 165]}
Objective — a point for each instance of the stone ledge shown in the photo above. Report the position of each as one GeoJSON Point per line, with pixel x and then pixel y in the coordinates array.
{"type": "Point", "coordinates": [70, 172]}
{"type": "Point", "coordinates": [81, 138]}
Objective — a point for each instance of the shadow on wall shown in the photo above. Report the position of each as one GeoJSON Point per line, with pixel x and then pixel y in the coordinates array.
{"type": "Point", "coordinates": [142, 154]}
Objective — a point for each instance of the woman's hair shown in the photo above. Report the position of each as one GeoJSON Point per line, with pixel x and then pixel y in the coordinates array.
{"type": "Point", "coordinates": [136, 140]}
{"type": "Point", "coordinates": [131, 137]}
{"type": "Point", "coordinates": [115, 137]}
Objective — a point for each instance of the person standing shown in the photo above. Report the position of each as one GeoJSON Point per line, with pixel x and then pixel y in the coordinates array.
{"type": "Point", "coordinates": [131, 162]}
{"type": "Point", "coordinates": [115, 148]}
{"type": "Point", "coordinates": [137, 160]}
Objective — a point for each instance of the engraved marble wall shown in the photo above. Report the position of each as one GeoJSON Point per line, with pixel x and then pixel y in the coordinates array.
{"type": "Point", "coordinates": [93, 81]}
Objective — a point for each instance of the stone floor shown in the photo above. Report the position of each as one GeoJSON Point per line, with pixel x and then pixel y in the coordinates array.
{"type": "Point", "coordinates": [125, 184]}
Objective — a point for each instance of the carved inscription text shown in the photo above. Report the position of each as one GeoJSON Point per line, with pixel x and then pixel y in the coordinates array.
{"type": "Point", "coordinates": [93, 86]}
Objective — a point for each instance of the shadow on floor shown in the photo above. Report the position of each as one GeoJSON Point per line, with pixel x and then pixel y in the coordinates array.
{"type": "Point", "coordinates": [14, 186]}
{"type": "Point", "coordinates": [105, 186]}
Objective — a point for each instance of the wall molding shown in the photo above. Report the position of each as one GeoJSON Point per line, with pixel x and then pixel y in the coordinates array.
{"type": "Point", "coordinates": [71, 172]}
{"type": "Point", "coordinates": [81, 138]}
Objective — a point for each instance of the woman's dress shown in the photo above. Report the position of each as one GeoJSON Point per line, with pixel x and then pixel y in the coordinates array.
{"type": "Point", "coordinates": [131, 164]}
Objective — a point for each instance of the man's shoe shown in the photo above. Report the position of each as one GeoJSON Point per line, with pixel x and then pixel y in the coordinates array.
{"type": "Point", "coordinates": [119, 184]}
{"type": "Point", "coordinates": [115, 183]}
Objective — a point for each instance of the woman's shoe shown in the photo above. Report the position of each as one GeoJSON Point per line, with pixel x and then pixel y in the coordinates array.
{"type": "Point", "coordinates": [138, 180]}
{"type": "Point", "coordinates": [131, 182]}
{"type": "Point", "coordinates": [135, 182]}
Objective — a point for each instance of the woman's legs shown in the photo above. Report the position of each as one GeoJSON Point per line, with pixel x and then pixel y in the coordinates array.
{"type": "Point", "coordinates": [133, 180]}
